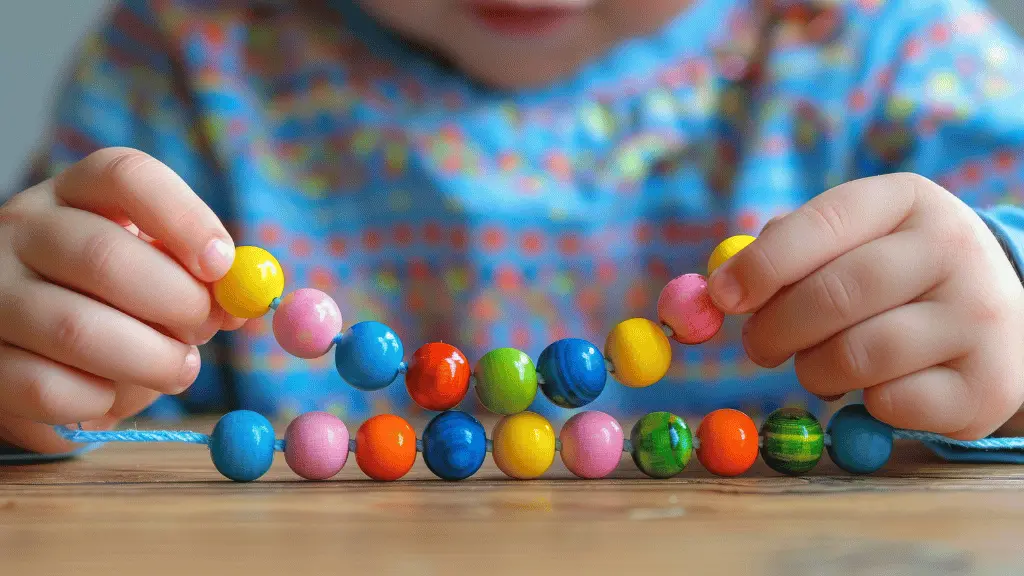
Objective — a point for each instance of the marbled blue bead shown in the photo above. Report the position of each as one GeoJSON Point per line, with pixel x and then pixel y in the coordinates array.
{"type": "Point", "coordinates": [573, 372]}
{"type": "Point", "coordinates": [368, 355]}
{"type": "Point", "coordinates": [454, 445]}
{"type": "Point", "coordinates": [859, 443]}
{"type": "Point", "coordinates": [242, 445]}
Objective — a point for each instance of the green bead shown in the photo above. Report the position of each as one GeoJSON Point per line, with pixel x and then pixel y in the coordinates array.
{"type": "Point", "coordinates": [792, 441]}
{"type": "Point", "coordinates": [661, 444]}
{"type": "Point", "coordinates": [506, 381]}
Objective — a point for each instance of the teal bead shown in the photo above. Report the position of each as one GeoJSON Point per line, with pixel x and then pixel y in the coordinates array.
{"type": "Point", "coordinates": [242, 445]}
{"type": "Point", "coordinates": [858, 443]}
{"type": "Point", "coordinates": [506, 381]}
{"type": "Point", "coordinates": [661, 444]}
{"type": "Point", "coordinates": [792, 441]}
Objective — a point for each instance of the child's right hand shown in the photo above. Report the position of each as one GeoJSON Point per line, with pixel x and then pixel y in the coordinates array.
{"type": "Point", "coordinates": [97, 319]}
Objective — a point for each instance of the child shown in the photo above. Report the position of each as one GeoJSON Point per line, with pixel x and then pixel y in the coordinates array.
{"type": "Point", "coordinates": [507, 173]}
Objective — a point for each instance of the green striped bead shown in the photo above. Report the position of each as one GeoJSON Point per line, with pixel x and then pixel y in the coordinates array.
{"type": "Point", "coordinates": [661, 444]}
{"type": "Point", "coordinates": [792, 441]}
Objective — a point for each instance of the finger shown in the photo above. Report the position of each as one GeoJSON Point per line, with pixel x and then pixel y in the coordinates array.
{"type": "Point", "coordinates": [866, 281]}
{"type": "Point", "coordinates": [129, 400]}
{"type": "Point", "coordinates": [232, 323]}
{"type": "Point", "coordinates": [40, 438]}
{"type": "Point", "coordinates": [123, 184]}
{"type": "Point", "coordinates": [831, 224]}
{"type": "Point", "coordinates": [94, 256]}
{"type": "Point", "coordinates": [80, 332]}
{"type": "Point", "coordinates": [935, 399]}
{"type": "Point", "coordinates": [882, 348]}
{"type": "Point", "coordinates": [42, 390]}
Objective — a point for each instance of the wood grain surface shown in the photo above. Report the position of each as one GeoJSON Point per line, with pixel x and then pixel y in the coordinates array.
{"type": "Point", "coordinates": [163, 509]}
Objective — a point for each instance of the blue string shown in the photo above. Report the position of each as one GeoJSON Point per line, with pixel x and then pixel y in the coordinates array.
{"type": "Point", "coordinates": [88, 437]}
{"type": "Point", "coordinates": [275, 303]}
{"type": "Point", "coordinates": [983, 444]}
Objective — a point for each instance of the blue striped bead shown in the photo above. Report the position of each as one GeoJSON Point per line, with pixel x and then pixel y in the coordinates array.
{"type": "Point", "coordinates": [368, 356]}
{"type": "Point", "coordinates": [454, 445]}
{"type": "Point", "coordinates": [573, 372]}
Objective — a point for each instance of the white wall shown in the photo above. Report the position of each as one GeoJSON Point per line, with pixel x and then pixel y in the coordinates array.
{"type": "Point", "coordinates": [37, 37]}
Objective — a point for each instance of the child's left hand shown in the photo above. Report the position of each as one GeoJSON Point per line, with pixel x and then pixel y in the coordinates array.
{"type": "Point", "coordinates": [892, 285]}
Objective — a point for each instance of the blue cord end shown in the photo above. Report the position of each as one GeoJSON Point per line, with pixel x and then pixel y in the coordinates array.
{"type": "Point", "coordinates": [275, 303]}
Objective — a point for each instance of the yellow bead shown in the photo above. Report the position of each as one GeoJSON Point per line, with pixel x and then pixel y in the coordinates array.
{"type": "Point", "coordinates": [523, 445]}
{"type": "Point", "coordinates": [639, 352]}
{"type": "Point", "coordinates": [252, 283]}
{"type": "Point", "coordinates": [727, 249]}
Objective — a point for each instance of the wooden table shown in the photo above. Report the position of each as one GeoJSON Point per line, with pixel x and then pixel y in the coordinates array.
{"type": "Point", "coordinates": [144, 509]}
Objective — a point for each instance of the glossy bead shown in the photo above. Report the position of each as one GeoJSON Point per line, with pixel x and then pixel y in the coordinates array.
{"type": "Point", "coordinates": [368, 356]}
{"type": "Point", "coordinates": [591, 444]}
{"type": "Point", "coordinates": [860, 444]}
{"type": "Point", "coordinates": [385, 447]}
{"type": "Point", "coordinates": [639, 351]}
{"type": "Point", "coordinates": [728, 442]}
{"type": "Point", "coordinates": [573, 372]}
{"type": "Point", "coordinates": [252, 283]}
{"type": "Point", "coordinates": [727, 249]}
{"type": "Point", "coordinates": [316, 445]}
{"type": "Point", "coordinates": [454, 445]}
{"type": "Point", "coordinates": [242, 445]}
{"type": "Point", "coordinates": [506, 381]}
{"type": "Point", "coordinates": [685, 306]}
{"type": "Point", "coordinates": [662, 444]}
{"type": "Point", "coordinates": [306, 322]}
{"type": "Point", "coordinates": [438, 376]}
{"type": "Point", "coordinates": [523, 445]}
{"type": "Point", "coordinates": [792, 441]}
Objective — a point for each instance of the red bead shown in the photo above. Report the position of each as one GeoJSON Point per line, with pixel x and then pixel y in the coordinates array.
{"type": "Point", "coordinates": [728, 442]}
{"type": "Point", "coordinates": [385, 447]}
{"type": "Point", "coordinates": [438, 376]}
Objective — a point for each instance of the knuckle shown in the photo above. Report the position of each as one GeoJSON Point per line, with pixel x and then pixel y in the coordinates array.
{"type": "Point", "coordinates": [125, 163]}
{"type": "Point", "coordinates": [833, 218]}
{"type": "Point", "coordinates": [985, 309]}
{"type": "Point", "coordinates": [853, 360]}
{"type": "Point", "coordinates": [70, 336]}
{"type": "Point", "coordinates": [100, 256]}
{"type": "Point", "coordinates": [834, 295]}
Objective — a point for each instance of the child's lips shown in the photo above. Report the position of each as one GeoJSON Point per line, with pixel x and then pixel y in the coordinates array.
{"type": "Point", "coordinates": [523, 18]}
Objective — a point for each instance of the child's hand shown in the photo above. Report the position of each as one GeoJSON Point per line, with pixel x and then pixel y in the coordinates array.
{"type": "Point", "coordinates": [96, 319]}
{"type": "Point", "coordinates": [894, 286]}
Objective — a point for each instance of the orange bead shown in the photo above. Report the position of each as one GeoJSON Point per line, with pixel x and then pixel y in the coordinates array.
{"type": "Point", "coordinates": [385, 447]}
{"type": "Point", "coordinates": [728, 442]}
{"type": "Point", "coordinates": [438, 376]}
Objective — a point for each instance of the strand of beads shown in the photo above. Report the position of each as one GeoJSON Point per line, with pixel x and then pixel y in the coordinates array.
{"type": "Point", "coordinates": [454, 444]}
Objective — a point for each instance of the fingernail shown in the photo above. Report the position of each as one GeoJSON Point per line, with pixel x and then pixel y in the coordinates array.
{"type": "Point", "coordinates": [189, 369]}
{"type": "Point", "coordinates": [217, 258]}
{"type": "Point", "coordinates": [830, 398]}
{"type": "Point", "coordinates": [726, 290]}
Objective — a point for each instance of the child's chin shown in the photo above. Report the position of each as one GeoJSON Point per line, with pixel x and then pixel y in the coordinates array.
{"type": "Point", "coordinates": [521, 76]}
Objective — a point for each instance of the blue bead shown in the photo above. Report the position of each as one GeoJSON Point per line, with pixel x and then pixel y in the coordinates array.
{"type": "Point", "coordinates": [454, 445]}
{"type": "Point", "coordinates": [859, 443]}
{"type": "Point", "coordinates": [368, 356]}
{"type": "Point", "coordinates": [573, 371]}
{"type": "Point", "coordinates": [242, 445]}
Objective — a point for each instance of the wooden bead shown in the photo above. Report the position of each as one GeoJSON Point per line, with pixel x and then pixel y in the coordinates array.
{"type": "Point", "coordinates": [727, 249]}
{"type": "Point", "coordinates": [662, 444]}
{"type": "Point", "coordinates": [639, 351]}
{"type": "Point", "coordinates": [306, 323]}
{"type": "Point", "coordinates": [685, 306]}
{"type": "Point", "coordinates": [385, 447]}
{"type": "Point", "coordinates": [591, 444]}
{"type": "Point", "coordinates": [454, 445]}
{"type": "Point", "coordinates": [251, 285]}
{"type": "Point", "coordinates": [242, 445]}
{"type": "Point", "coordinates": [316, 445]}
{"type": "Point", "coordinates": [369, 356]}
{"type": "Point", "coordinates": [438, 376]}
{"type": "Point", "coordinates": [506, 381]}
{"type": "Point", "coordinates": [859, 443]}
{"type": "Point", "coordinates": [573, 372]}
{"type": "Point", "coordinates": [523, 445]}
{"type": "Point", "coordinates": [728, 442]}
{"type": "Point", "coordinates": [792, 441]}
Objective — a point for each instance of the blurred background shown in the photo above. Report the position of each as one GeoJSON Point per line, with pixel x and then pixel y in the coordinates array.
{"type": "Point", "coordinates": [37, 39]}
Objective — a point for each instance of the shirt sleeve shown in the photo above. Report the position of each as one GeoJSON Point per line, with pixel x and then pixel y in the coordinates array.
{"type": "Point", "coordinates": [954, 110]}
{"type": "Point", "coordinates": [127, 89]}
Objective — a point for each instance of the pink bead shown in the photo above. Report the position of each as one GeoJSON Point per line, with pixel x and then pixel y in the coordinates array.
{"type": "Point", "coordinates": [306, 322]}
{"type": "Point", "coordinates": [316, 445]}
{"type": "Point", "coordinates": [685, 306]}
{"type": "Point", "coordinates": [591, 444]}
